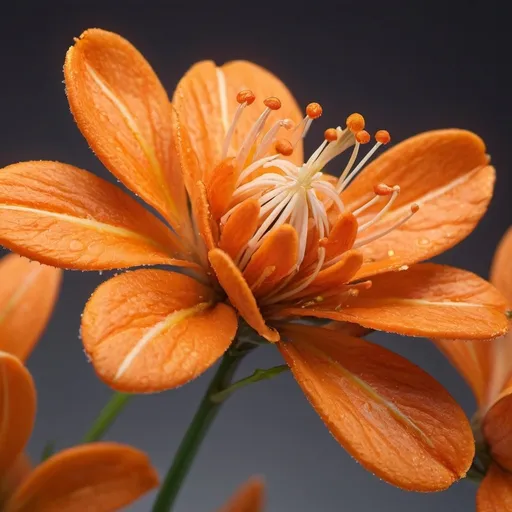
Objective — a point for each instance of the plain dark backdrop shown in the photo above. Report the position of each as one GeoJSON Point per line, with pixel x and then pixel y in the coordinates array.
{"type": "Point", "coordinates": [407, 66]}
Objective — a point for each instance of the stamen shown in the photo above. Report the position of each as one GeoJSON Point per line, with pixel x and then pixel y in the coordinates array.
{"type": "Point", "coordinates": [392, 199]}
{"type": "Point", "coordinates": [302, 285]}
{"type": "Point", "coordinates": [313, 111]}
{"type": "Point", "coordinates": [363, 137]}
{"type": "Point", "coordinates": [271, 104]}
{"type": "Point", "coordinates": [383, 137]}
{"type": "Point", "coordinates": [355, 122]}
{"type": "Point", "coordinates": [380, 190]}
{"type": "Point", "coordinates": [375, 236]}
{"type": "Point", "coordinates": [284, 147]}
{"type": "Point", "coordinates": [360, 165]}
{"type": "Point", "coordinates": [330, 192]}
{"type": "Point", "coordinates": [331, 135]}
{"type": "Point", "coordinates": [254, 167]}
{"type": "Point", "coordinates": [270, 137]}
{"type": "Point", "coordinates": [243, 98]}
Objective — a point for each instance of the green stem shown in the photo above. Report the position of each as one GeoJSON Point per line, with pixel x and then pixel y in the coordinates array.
{"type": "Point", "coordinates": [475, 475]}
{"type": "Point", "coordinates": [107, 417]}
{"type": "Point", "coordinates": [196, 432]}
{"type": "Point", "coordinates": [258, 375]}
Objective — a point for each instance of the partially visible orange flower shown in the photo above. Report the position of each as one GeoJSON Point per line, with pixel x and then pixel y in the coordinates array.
{"type": "Point", "coordinates": [97, 476]}
{"type": "Point", "coordinates": [487, 368]}
{"type": "Point", "coordinates": [28, 291]}
{"type": "Point", "coordinates": [268, 237]}
{"type": "Point", "coordinates": [250, 497]}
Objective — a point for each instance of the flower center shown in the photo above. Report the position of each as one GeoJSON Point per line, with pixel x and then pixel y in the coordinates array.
{"type": "Point", "coordinates": [303, 196]}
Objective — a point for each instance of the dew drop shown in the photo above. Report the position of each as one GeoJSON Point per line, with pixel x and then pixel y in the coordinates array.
{"type": "Point", "coordinates": [391, 253]}
{"type": "Point", "coordinates": [424, 241]}
{"type": "Point", "coordinates": [75, 245]}
{"type": "Point", "coordinates": [403, 267]}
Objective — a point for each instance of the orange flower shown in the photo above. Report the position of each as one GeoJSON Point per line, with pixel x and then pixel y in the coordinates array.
{"type": "Point", "coordinates": [28, 292]}
{"type": "Point", "coordinates": [99, 476]}
{"type": "Point", "coordinates": [487, 367]}
{"type": "Point", "coordinates": [250, 497]}
{"type": "Point", "coordinates": [270, 239]}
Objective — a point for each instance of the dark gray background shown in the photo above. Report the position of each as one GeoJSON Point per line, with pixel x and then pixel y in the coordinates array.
{"type": "Point", "coordinates": [407, 68]}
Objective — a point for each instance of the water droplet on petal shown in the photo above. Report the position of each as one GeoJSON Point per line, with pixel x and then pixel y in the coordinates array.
{"type": "Point", "coordinates": [391, 253]}
{"type": "Point", "coordinates": [403, 267]}
{"type": "Point", "coordinates": [424, 241]}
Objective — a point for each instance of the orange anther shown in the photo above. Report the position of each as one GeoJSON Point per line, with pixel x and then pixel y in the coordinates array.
{"type": "Point", "coordinates": [246, 96]}
{"type": "Point", "coordinates": [382, 190]}
{"type": "Point", "coordinates": [284, 147]}
{"type": "Point", "coordinates": [272, 103]}
{"type": "Point", "coordinates": [363, 137]}
{"type": "Point", "coordinates": [382, 136]}
{"type": "Point", "coordinates": [415, 207]}
{"type": "Point", "coordinates": [330, 134]}
{"type": "Point", "coordinates": [314, 110]}
{"type": "Point", "coordinates": [355, 122]}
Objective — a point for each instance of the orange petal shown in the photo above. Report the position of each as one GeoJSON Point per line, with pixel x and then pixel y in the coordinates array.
{"type": "Point", "coordinates": [221, 185]}
{"type": "Point", "coordinates": [342, 236]}
{"type": "Point", "coordinates": [495, 492]}
{"type": "Point", "coordinates": [389, 414]}
{"type": "Point", "coordinates": [16, 474]}
{"type": "Point", "coordinates": [240, 228]}
{"type": "Point", "coordinates": [497, 428]}
{"type": "Point", "coordinates": [239, 293]}
{"type": "Point", "coordinates": [151, 330]}
{"type": "Point", "coordinates": [96, 476]}
{"type": "Point", "coordinates": [501, 274]}
{"type": "Point", "coordinates": [445, 172]}
{"type": "Point", "coordinates": [248, 498]}
{"type": "Point", "coordinates": [124, 113]}
{"type": "Point", "coordinates": [28, 293]}
{"type": "Point", "coordinates": [18, 406]}
{"type": "Point", "coordinates": [205, 224]}
{"type": "Point", "coordinates": [273, 261]}
{"type": "Point", "coordinates": [205, 103]}
{"type": "Point", "coordinates": [333, 277]}
{"type": "Point", "coordinates": [428, 300]}
{"type": "Point", "coordinates": [67, 217]}
{"type": "Point", "coordinates": [472, 360]}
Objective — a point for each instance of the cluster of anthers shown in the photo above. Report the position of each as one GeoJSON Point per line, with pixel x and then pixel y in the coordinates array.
{"type": "Point", "coordinates": [301, 196]}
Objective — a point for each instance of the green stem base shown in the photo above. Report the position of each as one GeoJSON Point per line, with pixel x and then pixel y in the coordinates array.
{"type": "Point", "coordinates": [196, 432]}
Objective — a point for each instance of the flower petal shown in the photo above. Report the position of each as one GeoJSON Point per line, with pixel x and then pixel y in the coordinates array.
{"type": "Point", "coordinates": [472, 360]}
{"type": "Point", "coordinates": [389, 414]}
{"type": "Point", "coordinates": [16, 474]}
{"type": "Point", "coordinates": [28, 294]}
{"type": "Point", "coordinates": [342, 236]}
{"type": "Point", "coordinates": [96, 476]}
{"type": "Point", "coordinates": [273, 260]}
{"type": "Point", "coordinates": [501, 273]}
{"type": "Point", "coordinates": [67, 217]}
{"type": "Point", "coordinates": [335, 276]}
{"type": "Point", "coordinates": [495, 492]}
{"type": "Point", "coordinates": [205, 103]}
{"type": "Point", "coordinates": [239, 293]}
{"type": "Point", "coordinates": [240, 228]}
{"type": "Point", "coordinates": [428, 300]}
{"type": "Point", "coordinates": [497, 428]}
{"type": "Point", "coordinates": [151, 330]}
{"type": "Point", "coordinates": [124, 113]}
{"type": "Point", "coordinates": [248, 498]}
{"type": "Point", "coordinates": [18, 406]}
{"type": "Point", "coordinates": [446, 173]}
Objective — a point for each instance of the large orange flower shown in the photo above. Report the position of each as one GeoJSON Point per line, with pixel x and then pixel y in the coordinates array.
{"type": "Point", "coordinates": [268, 238]}
{"type": "Point", "coordinates": [487, 367]}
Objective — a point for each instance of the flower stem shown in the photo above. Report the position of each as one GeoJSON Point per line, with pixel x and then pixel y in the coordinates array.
{"type": "Point", "coordinates": [107, 416]}
{"type": "Point", "coordinates": [196, 432]}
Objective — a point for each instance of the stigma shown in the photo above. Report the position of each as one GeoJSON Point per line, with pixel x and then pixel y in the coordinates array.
{"type": "Point", "coordinates": [302, 195]}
